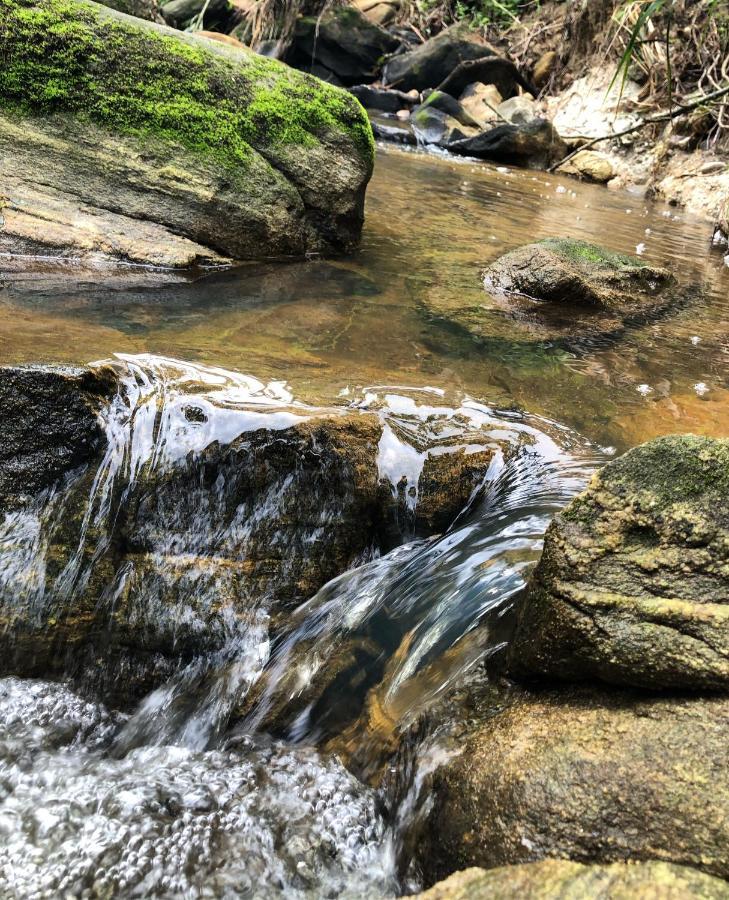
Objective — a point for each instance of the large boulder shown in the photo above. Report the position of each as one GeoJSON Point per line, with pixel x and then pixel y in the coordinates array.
{"type": "Point", "coordinates": [568, 288]}
{"type": "Point", "coordinates": [142, 9]}
{"type": "Point", "coordinates": [148, 518]}
{"type": "Point", "coordinates": [632, 584]}
{"type": "Point", "coordinates": [561, 879]}
{"type": "Point", "coordinates": [166, 148]}
{"type": "Point", "coordinates": [210, 13]}
{"type": "Point", "coordinates": [581, 774]}
{"type": "Point", "coordinates": [430, 64]}
{"type": "Point", "coordinates": [342, 41]}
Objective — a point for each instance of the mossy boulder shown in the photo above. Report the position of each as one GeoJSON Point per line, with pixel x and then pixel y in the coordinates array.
{"type": "Point", "coordinates": [342, 41]}
{"type": "Point", "coordinates": [596, 776]}
{"type": "Point", "coordinates": [167, 148]}
{"type": "Point", "coordinates": [561, 879]}
{"type": "Point", "coordinates": [564, 288]}
{"type": "Point", "coordinates": [429, 65]}
{"type": "Point", "coordinates": [632, 585]}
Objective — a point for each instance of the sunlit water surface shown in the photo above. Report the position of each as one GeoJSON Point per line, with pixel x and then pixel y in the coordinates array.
{"type": "Point", "coordinates": [381, 315]}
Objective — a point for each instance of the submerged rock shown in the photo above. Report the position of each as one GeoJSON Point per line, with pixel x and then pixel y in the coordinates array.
{"type": "Point", "coordinates": [164, 148]}
{"type": "Point", "coordinates": [561, 878]}
{"type": "Point", "coordinates": [631, 586]}
{"type": "Point", "coordinates": [571, 288]}
{"type": "Point", "coordinates": [430, 64]}
{"type": "Point", "coordinates": [592, 776]}
{"type": "Point", "coordinates": [343, 41]}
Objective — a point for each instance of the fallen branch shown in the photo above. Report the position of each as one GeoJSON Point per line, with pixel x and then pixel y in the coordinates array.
{"type": "Point", "coordinates": [679, 110]}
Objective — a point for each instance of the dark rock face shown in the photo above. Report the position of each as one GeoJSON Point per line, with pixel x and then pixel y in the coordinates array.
{"type": "Point", "coordinates": [119, 563]}
{"type": "Point", "coordinates": [388, 101]}
{"type": "Point", "coordinates": [588, 776]}
{"type": "Point", "coordinates": [561, 878]}
{"type": "Point", "coordinates": [344, 42]}
{"type": "Point", "coordinates": [50, 427]}
{"type": "Point", "coordinates": [631, 587]}
{"type": "Point", "coordinates": [567, 288]}
{"type": "Point", "coordinates": [142, 9]}
{"type": "Point", "coordinates": [430, 64]}
{"type": "Point", "coordinates": [181, 13]}
{"type": "Point", "coordinates": [533, 144]}
{"type": "Point", "coordinates": [502, 73]}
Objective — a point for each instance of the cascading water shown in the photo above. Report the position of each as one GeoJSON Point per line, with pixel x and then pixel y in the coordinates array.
{"type": "Point", "coordinates": [176, 798]}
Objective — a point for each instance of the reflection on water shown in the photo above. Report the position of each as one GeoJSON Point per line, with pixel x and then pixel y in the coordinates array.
{"type": "Point", "coordinates": [380, 316]}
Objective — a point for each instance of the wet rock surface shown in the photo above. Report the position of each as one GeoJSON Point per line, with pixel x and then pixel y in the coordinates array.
{"type": "Point", "coordinates": [195, 519]}
{"type": "Point", "coordinates": [534, 144]}
{"type": "Point", "coordinates": [574, 881]}
{"type": "Point", "coordinates": [588, 775]}
{"type": "Point", "coordinates": [202, 167]}
{"type": "Point", "coordinates": [50, 427]}
{"type": "Point", "coordinates": [631, 587]}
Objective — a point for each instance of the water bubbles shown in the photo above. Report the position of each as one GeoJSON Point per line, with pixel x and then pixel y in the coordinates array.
{"type": "Point", "coordinates": [166, 821]}
{"type": "Point", "coordinates": [561, 189]}
{"type": "Point", "coordinates": [640, 249]}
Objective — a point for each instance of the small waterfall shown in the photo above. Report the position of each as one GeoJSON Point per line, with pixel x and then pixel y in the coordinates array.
{"type": "Point", "coordinates": [413, 621]}
{"type": "Point", "coordinates": [160, 558]}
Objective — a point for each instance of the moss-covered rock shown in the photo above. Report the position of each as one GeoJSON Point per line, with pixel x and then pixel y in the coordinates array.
{"type": "Point", "coordinates": [632, 584]}
{"type": "Point", "coordinates": [582, 774]}
{"type": "Point", "coordinates": [560, 879]}
{"type": "Point", "coordinates": [563, 287]}
{"type": "Point", "coordinates": [233, 153]}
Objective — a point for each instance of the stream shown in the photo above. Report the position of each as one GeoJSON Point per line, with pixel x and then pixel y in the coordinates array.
{"type": "Point", "coordinates": [246, 770]}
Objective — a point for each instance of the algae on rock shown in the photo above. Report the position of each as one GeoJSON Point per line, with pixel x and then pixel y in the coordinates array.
{"type": "Point", "coordinates": [233, 153]}
{"type": "Point", "coordinates": [632, 584]}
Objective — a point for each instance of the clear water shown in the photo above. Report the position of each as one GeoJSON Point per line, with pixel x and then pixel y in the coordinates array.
{"type": "Point", "coordinates": [226, 780]}
{"type": "Point", "coordinates": [380, 316]}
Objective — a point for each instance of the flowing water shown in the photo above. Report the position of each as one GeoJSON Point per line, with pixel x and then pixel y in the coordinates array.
{"type": "Point", "coordinates": [226, 779]}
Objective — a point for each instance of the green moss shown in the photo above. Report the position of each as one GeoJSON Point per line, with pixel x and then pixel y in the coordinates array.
{"type": "Point", "coordinates": [582, 252]}
{"type": "Point", "coordinates": [70, 57]}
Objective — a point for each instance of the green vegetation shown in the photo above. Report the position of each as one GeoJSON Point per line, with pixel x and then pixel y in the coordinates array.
{"type": "Point", "coordinates": [581, 251]}
{"type": "Point", "coordinates": [61, 56]}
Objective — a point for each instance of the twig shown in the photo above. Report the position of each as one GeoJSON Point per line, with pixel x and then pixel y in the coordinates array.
{"type": "Point", "coordinates": [678, 110]}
